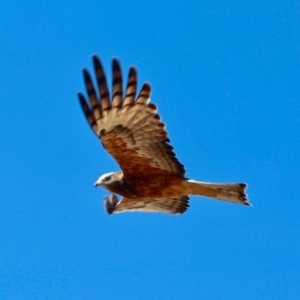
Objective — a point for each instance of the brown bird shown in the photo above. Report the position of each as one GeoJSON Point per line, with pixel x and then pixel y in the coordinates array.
{"type": "Point", "coordinates": [152, 178]}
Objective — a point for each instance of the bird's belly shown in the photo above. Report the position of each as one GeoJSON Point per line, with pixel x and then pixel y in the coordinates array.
{"type": "Point", "coordinates": [160, 187]}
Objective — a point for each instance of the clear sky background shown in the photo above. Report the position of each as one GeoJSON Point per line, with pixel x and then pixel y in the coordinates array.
{"type": "Point", "coordinates": [226, 78]}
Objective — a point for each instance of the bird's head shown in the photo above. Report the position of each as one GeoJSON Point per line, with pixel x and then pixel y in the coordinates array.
{"type": "Point", "coordinates": [107, 180]}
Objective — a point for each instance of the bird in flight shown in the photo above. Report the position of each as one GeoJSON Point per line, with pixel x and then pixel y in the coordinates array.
{"type": "Point", "coordinates": [128, 125]}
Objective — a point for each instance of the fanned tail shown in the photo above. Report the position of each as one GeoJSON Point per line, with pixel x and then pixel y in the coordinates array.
{"type": "Point", "coordinates": [232, 192]}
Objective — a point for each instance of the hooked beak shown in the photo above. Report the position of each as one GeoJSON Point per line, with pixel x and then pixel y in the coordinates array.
{"type": "Point", "coordinates": [98, 183]}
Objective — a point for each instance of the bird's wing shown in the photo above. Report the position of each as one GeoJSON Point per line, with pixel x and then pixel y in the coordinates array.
{"type": "Point", "coordinates": [177, 205]}
{"type": "Point", "coordinates": [128, 126]}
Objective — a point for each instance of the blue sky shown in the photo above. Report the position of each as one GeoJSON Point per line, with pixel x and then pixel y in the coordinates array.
{"type": "Point", "coordinates": [225, 76]}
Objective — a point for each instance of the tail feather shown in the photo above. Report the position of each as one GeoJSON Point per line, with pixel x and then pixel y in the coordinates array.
{"type": "Point", "coordinates": [232, 192]}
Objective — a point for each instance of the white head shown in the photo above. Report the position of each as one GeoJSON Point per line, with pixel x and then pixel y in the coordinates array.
{"type": "Point", "coordinates": [106, 179]}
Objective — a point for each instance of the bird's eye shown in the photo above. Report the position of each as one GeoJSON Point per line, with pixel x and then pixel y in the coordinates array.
{"type": "Point", "coordinates": [107, 179]}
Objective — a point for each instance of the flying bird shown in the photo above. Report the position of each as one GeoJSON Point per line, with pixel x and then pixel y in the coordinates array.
{"type": "Point", "coordinates": [128, 125]}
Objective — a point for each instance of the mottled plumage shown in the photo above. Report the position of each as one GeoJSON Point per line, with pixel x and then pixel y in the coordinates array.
{"type": "Point", "coordinates": [152, 178]}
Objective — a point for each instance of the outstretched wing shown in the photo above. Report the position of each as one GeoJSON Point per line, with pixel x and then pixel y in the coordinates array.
{"type": "Point", "coordinates": [165, 205]}
{"type": "Point", "coordinates": [128, 126]}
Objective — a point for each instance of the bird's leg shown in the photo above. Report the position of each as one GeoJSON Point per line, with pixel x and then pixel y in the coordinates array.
{"type": "Point", "coordinates": [110, 203]}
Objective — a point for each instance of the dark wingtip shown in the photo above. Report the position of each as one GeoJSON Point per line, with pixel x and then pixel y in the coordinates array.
{"type": "Point", "coordinates": [97, 62]}
{"type": "Point", "coordinates": [152, 106]}
{"type": "Point", "coordinates": [86, 75]}
{"type": "Point", "coordinates": [147, 86]}
{"type": "Point", "coordinates": [116, 68]}
{"type": "Point", "coordinates": [81, 99]}
{"type": "Point", "coordinates": [115, 61]}
{"type": "Point", "coordinates": [95, 57]}
{"type": "Point", "coordinates": [132, 72]}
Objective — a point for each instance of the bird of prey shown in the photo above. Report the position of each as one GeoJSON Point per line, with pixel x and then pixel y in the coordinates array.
{"type": "Point", "coordinates": [129, 127]}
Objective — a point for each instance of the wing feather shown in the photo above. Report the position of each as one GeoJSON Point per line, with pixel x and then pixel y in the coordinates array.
{"type": "Point", "coordinates": [131, 87]}
{"type": "Point", "coordinates": [177, 205]}
{"type": "Point", "coordinates": [117, 84]}
{"type": "Point", "coordinates": [143, 97]}
{"type": "Point", "coordinates": [87, 112]}
{"type": "Point", "coordinates": [102, 84]}
{"type": "Point", "coordinates": [130, 128]}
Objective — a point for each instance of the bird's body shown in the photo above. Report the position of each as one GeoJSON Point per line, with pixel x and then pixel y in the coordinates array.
{"type": "Point", "coordinates": [168, 185]}
{"type": "Point", "coordinates": [152, 178]}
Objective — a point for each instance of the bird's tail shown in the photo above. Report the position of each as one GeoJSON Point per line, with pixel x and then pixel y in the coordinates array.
{"type": "Point", "coordinates": [232, 192]}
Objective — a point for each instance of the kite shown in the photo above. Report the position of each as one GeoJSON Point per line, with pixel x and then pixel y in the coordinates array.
{"type": "Point", "coordinates": [128, 125]}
